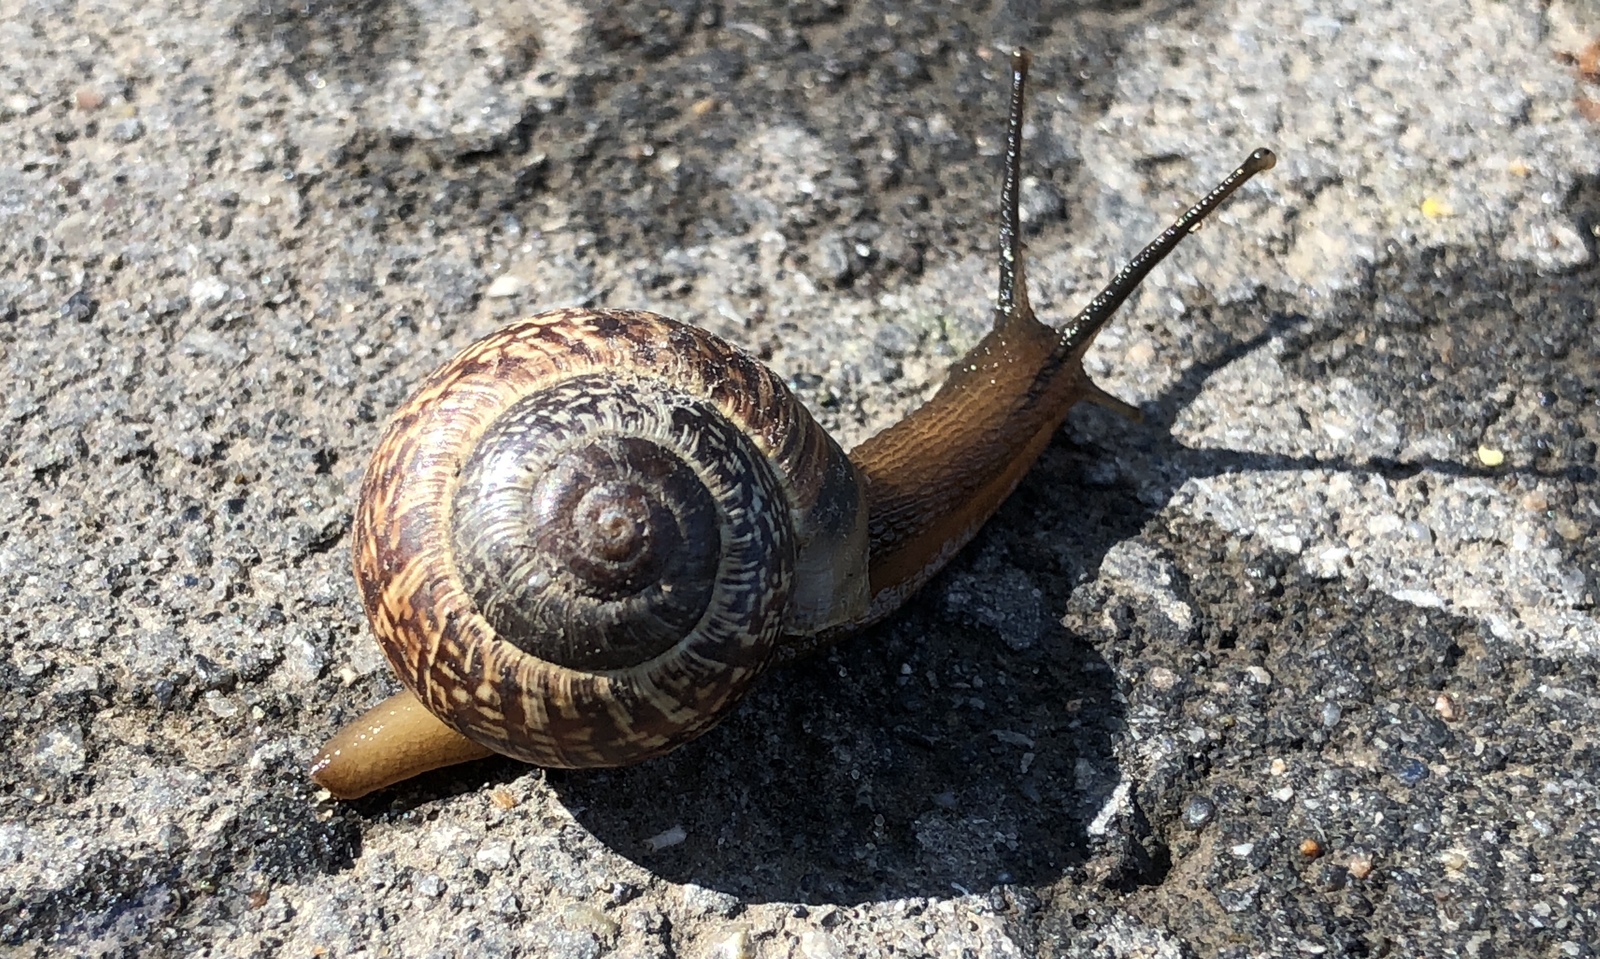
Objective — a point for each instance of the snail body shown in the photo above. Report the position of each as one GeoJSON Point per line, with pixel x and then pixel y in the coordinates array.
{"type": "Point", "coordinates": [582, 540]}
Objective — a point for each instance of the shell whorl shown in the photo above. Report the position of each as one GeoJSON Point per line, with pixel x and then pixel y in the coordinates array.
{"type": "Point", "coordinates": [597, 522]}
{"type": "Point", "coordinates": [583, 539]}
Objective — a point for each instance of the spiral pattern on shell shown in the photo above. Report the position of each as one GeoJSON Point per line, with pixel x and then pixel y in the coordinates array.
{"type": "Point", "coordinates": [582, 540]}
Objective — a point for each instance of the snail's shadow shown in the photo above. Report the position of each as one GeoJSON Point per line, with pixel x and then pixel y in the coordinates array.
{"type": "Point", "coordinates": [929, 755]}
{"type": "Point", "coordinates": [924, 759]}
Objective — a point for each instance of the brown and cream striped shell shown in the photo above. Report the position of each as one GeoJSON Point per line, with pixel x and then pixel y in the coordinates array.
{"type": "Point", "coordinates": [584, 538]}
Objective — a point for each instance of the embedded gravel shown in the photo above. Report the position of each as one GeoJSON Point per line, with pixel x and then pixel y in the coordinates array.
{"type": "Point", "coordinates": [1302, 664]}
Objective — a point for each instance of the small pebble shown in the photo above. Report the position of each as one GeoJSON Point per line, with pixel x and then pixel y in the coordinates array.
{"type": "Point", "coordinates": [1310, 848]}
{"type": "Point", "coordinates": [1489, 456]}
{"type": "Point", "coordinates": [736, 945]}
{"type": "Point", "coordinates": [172, 838]}
{"type": "Point", "coordinates": [128, 130]}
{"type": "Point", "coordinates": [582, 915]}
{"type": "Point", "coordinates": [504, 286]}
{"type": "Point", "coordinates": [60, 751]}
{"type": "Point", "coordinates": [220, 705]}
{"type": "Point", "coordinates": [1436, 209]}
{"type": "Point", "coordinates": [1331, 714]}
{"type": "Point", "coordinates": [700, 901]}
{"type": "Point", "coordinates": [816, 944]}
{"type": "Point", "coordinates": [1412, 771]}
{"type": "Point", "coordinates": [208, 291]}
{"type": "Point", "coordinates": [429, 885]}
{"type": "Point", "coordinates": [80, 307]}
{"type": "Point", "coordinates": [494, 857]}
{"type": "Point", "coordinates": [1445, 707]}
{"type": "Point", "coordinates": [1360, 866]}
{"type": "Point", "coordinates": [663, 840]}
{"type": "Point", "coordinates": [1198, 811]}
{"type": "Point", "coordinates": [505, 904]}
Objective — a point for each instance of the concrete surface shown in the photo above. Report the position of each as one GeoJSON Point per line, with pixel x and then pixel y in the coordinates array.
{"type": "Point", "coordinates": [1303, 664]}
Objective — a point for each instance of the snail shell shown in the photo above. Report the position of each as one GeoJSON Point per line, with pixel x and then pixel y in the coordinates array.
{"type": "Point", "coordinates": [592, 528]}
{"type": "Point", "coordinates": [584, 538]}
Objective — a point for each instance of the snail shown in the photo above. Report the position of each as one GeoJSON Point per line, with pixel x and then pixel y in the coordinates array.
{"type": "Point", "coordinates": [582, 540]}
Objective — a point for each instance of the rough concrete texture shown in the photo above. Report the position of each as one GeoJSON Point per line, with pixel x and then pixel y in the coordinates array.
{"type": "Point", "coordinates": [1302, 664]}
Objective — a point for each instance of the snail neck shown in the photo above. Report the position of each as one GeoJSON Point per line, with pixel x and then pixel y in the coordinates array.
{"type": "Point", "coordinates": [933, 479]}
